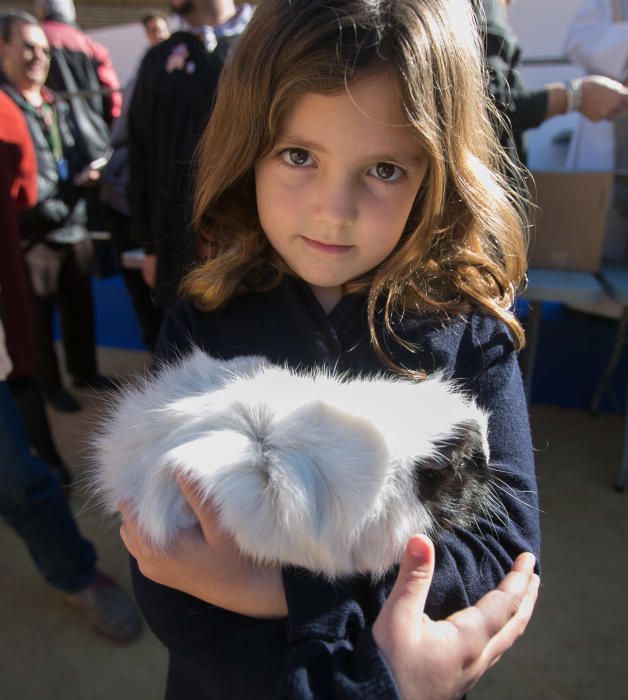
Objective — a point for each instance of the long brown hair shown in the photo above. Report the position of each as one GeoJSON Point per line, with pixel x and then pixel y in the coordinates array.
{"type": "Point", "coordinates": [464, 244]}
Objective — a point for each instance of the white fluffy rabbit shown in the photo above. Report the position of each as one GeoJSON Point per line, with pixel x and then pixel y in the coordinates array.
{"type": "Point", "coordinates": [307, 469]}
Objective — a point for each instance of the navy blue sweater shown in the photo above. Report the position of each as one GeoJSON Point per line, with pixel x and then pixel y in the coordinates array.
{"type": "Point", "coordinates": [324, 648]}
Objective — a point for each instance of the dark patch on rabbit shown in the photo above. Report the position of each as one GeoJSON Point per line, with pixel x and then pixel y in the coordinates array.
{"type": "Point", "coordinates": [455, 486]}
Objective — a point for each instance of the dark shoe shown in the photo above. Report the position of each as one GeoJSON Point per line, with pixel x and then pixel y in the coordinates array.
{"type": "Point", "coordinates": [98, 383]}
{"type": "Point", "coordinates": [63, 401]}
{"type": "Point", "coordinates": [108, 609]}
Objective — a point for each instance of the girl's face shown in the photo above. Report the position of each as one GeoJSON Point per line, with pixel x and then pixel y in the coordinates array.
{"type": "Point", "coordinates": [336, 190]}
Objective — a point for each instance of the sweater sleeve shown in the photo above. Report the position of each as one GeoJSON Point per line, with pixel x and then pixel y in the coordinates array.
{"type": "Point", "coordinates": [324, 668]}
{"type": "Point", "coordinates": [469, 563]}
{"type": "Point", "coordinates": [331, 650]}
{"type": "Point", "coordinates": [329, 621]}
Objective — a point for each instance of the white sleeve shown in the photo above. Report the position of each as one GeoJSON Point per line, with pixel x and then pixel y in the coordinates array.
{"type": "Point", "coordinates": [597, 43]}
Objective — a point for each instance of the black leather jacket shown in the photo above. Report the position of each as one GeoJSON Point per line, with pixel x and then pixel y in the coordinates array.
{"type": "Point", "coordinates": [59, 201]}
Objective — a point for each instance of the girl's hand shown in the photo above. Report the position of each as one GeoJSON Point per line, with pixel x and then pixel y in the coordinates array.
{"type": "Point", "coordinates": [443, 660]}
{"type": "Point", "coordinates": [204, 562]}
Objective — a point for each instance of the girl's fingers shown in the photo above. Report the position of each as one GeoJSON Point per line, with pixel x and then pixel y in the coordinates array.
{"type": "Point", "coordinates": [124, 509]}
{"type": "Point", "coordinates": [203, 509]}
{"type": "Point", "coordinates": [191, 494]}
{"type": "Point", "coordinates": [524, 563]}
{"type": "Point", "coordinates": [128, 536]}
{"type": "Point", "coordinates": [129, 532]}
{"type": "Point", "coordinates": [406, 600]}
{"type": "Point", "coordinates": [500, 613]}
{"type": "Point", "coordinates": [415, 576]}
{"type": "Point", "coordinates": [512, 630]}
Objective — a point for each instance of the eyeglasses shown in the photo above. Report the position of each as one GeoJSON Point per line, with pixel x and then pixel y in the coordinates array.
{"type": "Point", "coordinates": [34, 48]}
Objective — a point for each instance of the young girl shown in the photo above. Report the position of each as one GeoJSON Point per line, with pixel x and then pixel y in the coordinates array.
{"type": "Point", "coordinates": [349, 191]}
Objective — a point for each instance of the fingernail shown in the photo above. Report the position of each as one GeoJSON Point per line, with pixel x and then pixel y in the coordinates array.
{"type": "Point", "coordinates": [415, 547]}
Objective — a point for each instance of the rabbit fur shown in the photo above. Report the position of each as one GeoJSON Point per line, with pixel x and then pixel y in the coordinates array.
{"type": "Point", "coordinates": [306, 468]}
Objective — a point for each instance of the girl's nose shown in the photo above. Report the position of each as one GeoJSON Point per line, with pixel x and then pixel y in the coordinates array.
{"type": "Point", "coordinates": [336, 203]}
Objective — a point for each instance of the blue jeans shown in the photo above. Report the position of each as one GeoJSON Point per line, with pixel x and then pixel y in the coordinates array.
{"type": "Point", "coordinates": [33, 504]}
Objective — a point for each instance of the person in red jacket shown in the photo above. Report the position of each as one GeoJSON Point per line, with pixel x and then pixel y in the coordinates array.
{"type": "Point", "coordinates": [18, 190]}
{"type": "Point", "coordinates": [31, 499]}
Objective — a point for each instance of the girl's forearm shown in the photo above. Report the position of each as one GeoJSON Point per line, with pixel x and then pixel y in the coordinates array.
{"type": "Point", "coordinates": [253, 591]}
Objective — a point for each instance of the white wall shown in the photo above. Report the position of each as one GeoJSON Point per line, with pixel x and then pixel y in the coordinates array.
{"type": "Point", "coordinates": [126, 43]}
{"type": "Point", "coordinates": [541, 26]}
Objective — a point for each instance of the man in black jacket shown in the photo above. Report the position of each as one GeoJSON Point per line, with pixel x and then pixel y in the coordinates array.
{"type": "Point", "coordinates": [57, 248]}
{"type": "Point", "coordinates": [171, 105]}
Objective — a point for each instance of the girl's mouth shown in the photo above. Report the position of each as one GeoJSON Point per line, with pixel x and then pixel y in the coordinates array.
{"type": "Point", "coordinates": [326, 247]}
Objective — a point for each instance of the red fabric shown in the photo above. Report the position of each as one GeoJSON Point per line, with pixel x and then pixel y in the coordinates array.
{"type": "Point", "coordinates": [18, 189]}
{"type": "Point", "coordinates": [66, 36]}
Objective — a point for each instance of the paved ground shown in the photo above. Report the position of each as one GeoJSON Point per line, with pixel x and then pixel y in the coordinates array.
{"type": "Point", "coordinates": [576, 648]}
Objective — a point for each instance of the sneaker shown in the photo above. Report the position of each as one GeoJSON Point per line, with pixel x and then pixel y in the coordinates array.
{"type": "Point", "coordinates": [108, 609]}
{"type": "Point", "coordinates": [63, 401]}
{"type": "Point", "coordinates": [98, 383]}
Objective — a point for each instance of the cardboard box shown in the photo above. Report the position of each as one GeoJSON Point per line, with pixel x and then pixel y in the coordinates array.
{"type": "Point", "coordinates": [570, 221]}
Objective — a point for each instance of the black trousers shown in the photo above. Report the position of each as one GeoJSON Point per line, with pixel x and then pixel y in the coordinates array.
{"type": "Point", "coordinates": [147, 313]}
{"type": "Point", "coordinates": [30, 405]}
{"type": "Point", "coordinates": [74, 302]}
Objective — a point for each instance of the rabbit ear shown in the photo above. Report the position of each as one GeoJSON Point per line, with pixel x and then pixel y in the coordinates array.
{"type": "Point", "coordinates": [210, 456]}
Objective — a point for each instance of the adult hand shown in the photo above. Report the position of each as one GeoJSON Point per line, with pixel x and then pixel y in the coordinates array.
{"type": "Point", "coordinates": [443, 660]}
{"type": "Point", "coordinates": [88, 177]}
{"type": "Point", "coordinates": [602, 98]}
{"type": "Point", "coordinates": [205, 562]}
{"type": "Point", "coordinates": [149, 270]}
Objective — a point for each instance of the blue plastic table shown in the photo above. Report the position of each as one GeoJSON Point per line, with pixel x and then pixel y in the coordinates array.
{"type": "Point", "coordinates": [615, 281]}
{"type": "Point", "coordinates": [564, 286]}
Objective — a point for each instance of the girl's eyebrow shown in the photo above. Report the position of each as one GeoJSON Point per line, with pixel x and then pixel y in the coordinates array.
{"type": "Point", "coordinates": [286, 140]}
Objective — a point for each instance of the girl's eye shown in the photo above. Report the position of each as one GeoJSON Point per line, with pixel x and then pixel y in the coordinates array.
{"type": "Point", "coordinates": [296, 156]}
{"type": "Point", "coordinates": [386, 172]}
